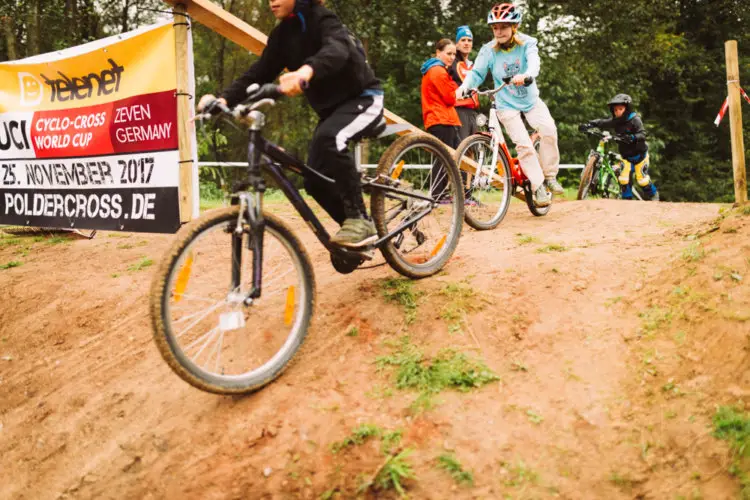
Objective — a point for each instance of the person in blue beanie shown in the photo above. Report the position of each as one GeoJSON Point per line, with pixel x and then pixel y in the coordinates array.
{"type": "Point", "coordinates": [467, 107]}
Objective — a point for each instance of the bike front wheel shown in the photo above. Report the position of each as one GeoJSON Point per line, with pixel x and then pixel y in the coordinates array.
{"type": "Point", "coordinates": [488, 197]}
{"type": "Point", "coordinates": [424, 202]}
{"type": "Point", "coordinates": [206, 328]}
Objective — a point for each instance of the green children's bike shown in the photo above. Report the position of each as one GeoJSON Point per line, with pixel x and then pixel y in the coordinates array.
{"type": "Point", "coordinates": [599, 178]}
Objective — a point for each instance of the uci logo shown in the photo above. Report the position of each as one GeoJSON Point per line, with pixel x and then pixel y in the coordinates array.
{"type": "Point", "coordinates": [31, 89]}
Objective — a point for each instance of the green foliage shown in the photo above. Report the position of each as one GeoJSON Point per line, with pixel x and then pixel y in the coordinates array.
{"type": "Point", "coordinates": [396, 469]}
{"type": "Point", "coordinates": [10, 265]}
{"type": "Point", "coordinates": [451, 464]}
{"type": "Point", "coordinates": [448, 370]}
{"type": "Point", "coordinates": [358, 436]}
{"type": "Point", "coordinates": [401, 291]}
{"type": "Point", "coordinates": [733, 425]}
{"type": "Point", "coordinates": [669, 57]}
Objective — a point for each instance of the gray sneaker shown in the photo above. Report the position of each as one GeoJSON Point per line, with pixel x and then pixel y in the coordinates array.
{"type": "Point", "coordinates": [541, 197]}
{"type": "Point", "coordinates": [355, 233]}
{"type": "Point", "coordinates": [554, 186]}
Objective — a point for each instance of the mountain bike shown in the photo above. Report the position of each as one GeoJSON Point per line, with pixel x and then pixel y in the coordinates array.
{"type": "Point", "coordinates": [496, 173]}
{"type": "Point", "coordinates": [232, 300]}
{"type": "Point", "coordinates": [601, 172]}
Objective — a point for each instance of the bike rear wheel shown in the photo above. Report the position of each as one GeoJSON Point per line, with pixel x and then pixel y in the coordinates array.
{"type": "Point", "coordinates": [488, 199]}
{"type": "Point", "coordinates": [587, 176]}
{"type": "Point", "coordinates": [203, 326]}
{"type": "Point", "coordinates": [430, 205]}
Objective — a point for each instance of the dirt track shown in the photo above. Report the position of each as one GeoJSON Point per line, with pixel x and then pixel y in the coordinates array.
{"type": "Point", "coordinates": [88, 409]}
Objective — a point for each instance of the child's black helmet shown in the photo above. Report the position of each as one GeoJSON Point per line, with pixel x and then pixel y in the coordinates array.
{"type": "Point", "coordinates": [623, 99]}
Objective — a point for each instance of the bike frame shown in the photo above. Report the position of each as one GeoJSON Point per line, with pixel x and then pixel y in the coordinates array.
{"type": "Point", "coordinates": [498, 145]}
{"type": "Point", "coordinates": [251, 204]}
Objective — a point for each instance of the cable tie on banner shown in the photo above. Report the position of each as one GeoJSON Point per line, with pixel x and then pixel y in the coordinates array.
{"type": "Point", "coordinates": [181, 24]}
{"type": "Point", "coordinates": [183, 93]}
{"type": "Point", "coordinates": [185, 161]}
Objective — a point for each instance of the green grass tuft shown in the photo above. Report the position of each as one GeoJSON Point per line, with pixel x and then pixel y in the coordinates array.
{"type": "Point", "coordinates": [453, 466]}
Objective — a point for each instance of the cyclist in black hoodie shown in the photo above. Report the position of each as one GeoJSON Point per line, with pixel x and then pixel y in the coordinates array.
{"type": "Point", "coordinates": [312, 43]}
{"type": "Point", "coordinates": [633, 148]}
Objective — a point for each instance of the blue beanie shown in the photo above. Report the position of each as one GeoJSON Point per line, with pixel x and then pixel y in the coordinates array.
{"type": "Point", "coordinates": [463, 31]}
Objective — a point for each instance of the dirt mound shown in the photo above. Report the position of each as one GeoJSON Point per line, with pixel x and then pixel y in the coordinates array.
{"type": "Point", "coordinates": [517, 371]}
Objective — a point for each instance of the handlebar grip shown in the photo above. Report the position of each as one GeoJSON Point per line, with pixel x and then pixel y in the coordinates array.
{"type": "Point", "coordinates": [526, 81]}
{"type": "Point", "coordinates": [266, 91]}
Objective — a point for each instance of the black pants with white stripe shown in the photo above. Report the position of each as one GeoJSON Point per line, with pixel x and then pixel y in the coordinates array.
{"type": "Point", "coordinates": [330, 155]}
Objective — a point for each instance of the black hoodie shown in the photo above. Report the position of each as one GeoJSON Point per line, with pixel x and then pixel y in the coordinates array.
{"type": "Point", "coordinates": [629, 126]}
{"type": "Point", "coordinates": [314, 36]}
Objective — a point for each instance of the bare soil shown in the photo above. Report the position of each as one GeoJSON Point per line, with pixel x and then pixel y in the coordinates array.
{"type": "Point", "coordinates": [616, 328]}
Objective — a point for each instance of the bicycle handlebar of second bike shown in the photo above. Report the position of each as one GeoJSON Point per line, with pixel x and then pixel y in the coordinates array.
{"type": "Point", "coordinates": [506, 81]}
{"type": "Point", "coordinates": [606, 136]}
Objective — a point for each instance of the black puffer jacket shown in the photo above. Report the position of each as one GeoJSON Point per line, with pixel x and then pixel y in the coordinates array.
{"type": "Point", "coordinates": [314, 36]}
{"type": "Point", "coordinates": [630, 128]}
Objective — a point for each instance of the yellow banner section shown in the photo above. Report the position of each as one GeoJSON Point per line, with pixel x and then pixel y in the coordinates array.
{"type": "Point", "coordinates": [142, 64]}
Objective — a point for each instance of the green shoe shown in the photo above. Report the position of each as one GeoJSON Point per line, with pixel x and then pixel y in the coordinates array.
{"type": "Point", "coordinates": [355, 233]}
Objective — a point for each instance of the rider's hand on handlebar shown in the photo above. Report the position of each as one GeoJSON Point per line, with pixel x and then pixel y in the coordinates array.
{"type": "Point", "coordinates": [291, 84]}
{"type": "Point", "coordinates": [584, 127]}
{"type": "Point", "coordinates": [210, 104]}
{"type": "Point", "coordinates": [518, 80]}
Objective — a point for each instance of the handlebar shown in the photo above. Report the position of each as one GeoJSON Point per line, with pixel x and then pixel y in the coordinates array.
{"type": "Point", "coordinates": [506, 81]}
{"type": "Point", "coordinates": [257, 96]}
{"type": "Point", "coordinates": [602, 134]}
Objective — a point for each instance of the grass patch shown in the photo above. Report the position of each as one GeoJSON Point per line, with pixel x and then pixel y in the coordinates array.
{"type": "Point", "coordinates": [401, 291]}
{"type": "Point", "coordinates": [654, 319]}
{"type": "Point", "coordinates": [357, 437]}
{"type": "Point", "coordinates": [519, 474]}
{"type": "Point", "coordinates": [140, 265]}
{"type": "Point", "coordinates": [534, 417]}
{"type": "Point", "coordinates": [462, 300]}
{"type": "Point", "coordinates": [693, 253]}
{"type": "Point", "coordinates": [451, 464]}
{"type": "Point", "coordinates": [9, 242]}
{"type": "Point", "coordinates": [352, 332]}
{"type": "Point", "coordinates": [733, 425]}
{"type": "Point", "coordinates": [58, 240]}
{"type": "Point", "coordinates": [448, 370]}
{"type": "Point", "coordinates": [526, 239]}
{"type": "Point", "coordinates": [10, 265]}
{"type": "Point", "coordinates": [393, 473]}
{"type": "Point", "coordinates": [621, 481]}
{"type": "Point", "coordinates": [552, 248]}
{"type": "Point", "coordinates": [388, 439]}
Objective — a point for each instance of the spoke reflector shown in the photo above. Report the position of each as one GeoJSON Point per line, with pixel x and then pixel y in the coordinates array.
{"type": "Point", "coordinates": [289, 309]}
{"type": "Point", "coordinates": [438, 246]}
{"type": "Point", "coordinates": [397, 171]}
{"type": "Point", "coordinates": [182, 278]}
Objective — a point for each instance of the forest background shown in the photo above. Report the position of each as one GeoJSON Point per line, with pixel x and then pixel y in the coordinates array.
{"type": "Point", "coordinates": [667, 54]}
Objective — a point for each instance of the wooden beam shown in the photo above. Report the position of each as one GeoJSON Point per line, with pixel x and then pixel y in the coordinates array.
{"type": "Point", "coordinates": [735, 122]}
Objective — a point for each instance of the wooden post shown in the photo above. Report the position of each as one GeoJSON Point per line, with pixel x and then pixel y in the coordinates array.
{"type": "Point", "coordinates": [735, 122]}
{"type": "Point", "coordinates": [184, 125]}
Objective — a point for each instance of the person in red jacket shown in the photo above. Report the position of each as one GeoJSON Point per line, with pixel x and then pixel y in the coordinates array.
{"type": "Point", "coordinates": [439, 95]}
{"type": "Point", "coordinates": [439, 104]}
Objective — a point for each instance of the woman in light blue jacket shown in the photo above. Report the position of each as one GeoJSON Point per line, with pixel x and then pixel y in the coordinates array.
{"type": "Point", "coordinates": [515, 55]}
